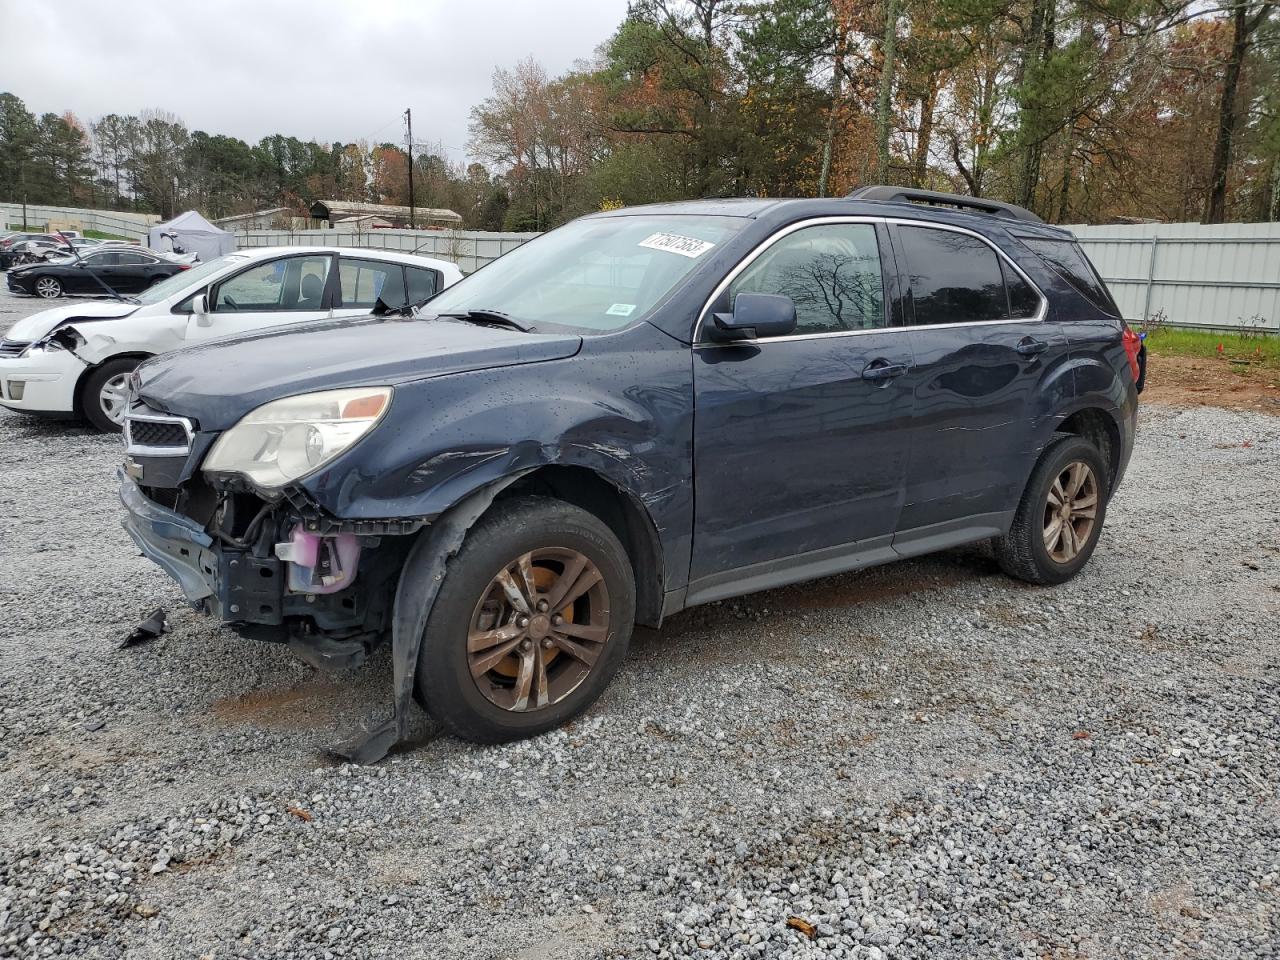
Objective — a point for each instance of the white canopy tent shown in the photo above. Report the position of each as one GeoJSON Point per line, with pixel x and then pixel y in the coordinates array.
{"type": "Point", "coordinates": [191, 233]}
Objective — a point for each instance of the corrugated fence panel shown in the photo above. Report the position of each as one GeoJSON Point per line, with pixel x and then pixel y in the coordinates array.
{"type": "Point", "coordinates": [469, 249]}
{"type": "Point", "coordinates": [1220, 276]}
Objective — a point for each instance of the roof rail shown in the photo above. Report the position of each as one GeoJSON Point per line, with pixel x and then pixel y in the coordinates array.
{"type": "Point", "coordinates": [934, 198]}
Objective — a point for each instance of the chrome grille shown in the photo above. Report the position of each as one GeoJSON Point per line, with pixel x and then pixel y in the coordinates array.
{"type": "Point", "coordinates": [157, 435]}
{"type": "Point", "coordinates": [12, 348]}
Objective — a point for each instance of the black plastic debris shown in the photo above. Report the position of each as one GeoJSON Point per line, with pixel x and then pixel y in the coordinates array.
{"type": "Point", "coordinates": [154, 626]}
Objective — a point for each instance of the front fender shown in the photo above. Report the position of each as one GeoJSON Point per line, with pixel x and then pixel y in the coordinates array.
{"type": "Point", "coordinates": [99, 341]}
{"type": "Point", "coordinates": [622, 409]}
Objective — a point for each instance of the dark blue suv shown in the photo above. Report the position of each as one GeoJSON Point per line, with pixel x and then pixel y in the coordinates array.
{"type": "Point", "coordinates": [643, 410]}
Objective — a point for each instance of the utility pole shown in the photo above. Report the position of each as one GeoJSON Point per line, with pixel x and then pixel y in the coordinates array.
{"type": "Point", "coordinates": [408, 119]}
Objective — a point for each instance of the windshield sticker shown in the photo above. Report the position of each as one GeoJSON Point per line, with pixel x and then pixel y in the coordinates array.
{"type": "Point", "coordinates": [621, 310]}
{"type": "Point", "coordinates": [674, 243]}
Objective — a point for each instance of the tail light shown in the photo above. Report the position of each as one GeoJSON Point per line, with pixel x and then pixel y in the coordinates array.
{"type": "Point", "coordinates": [1136, 351]}
{"type": "Point", "coordinates": [184, 266]}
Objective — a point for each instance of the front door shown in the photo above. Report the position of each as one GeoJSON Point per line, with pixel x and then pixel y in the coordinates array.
{"type": "Point", "coordinates": [92, 272]}
{"type": "Point", "coordinates": [801, 441]}
{"type": "Point", "coordinates": [982, 349]}
{"type": "Point", "coordinates": [287, 290]}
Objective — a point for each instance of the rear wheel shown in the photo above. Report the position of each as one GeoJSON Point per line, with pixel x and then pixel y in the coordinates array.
{"type": "Point", "coordinates": [530, 625]}
{"type": "Point", "coordinates": [1060, 517]}
{"type": "Point", "coordinates": [48, 288]}
{"type": "Point", "coordinates": [103, 394]}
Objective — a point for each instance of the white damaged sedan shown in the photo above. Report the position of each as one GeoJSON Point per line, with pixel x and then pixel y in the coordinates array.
{"type": "Point", "coordinates": [75, 360]}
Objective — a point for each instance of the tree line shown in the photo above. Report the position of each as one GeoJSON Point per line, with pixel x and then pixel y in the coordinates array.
{"type": "Point", "coordinates": [1082, 110]}
{"type": "Point", "coordinates": [152, 163]}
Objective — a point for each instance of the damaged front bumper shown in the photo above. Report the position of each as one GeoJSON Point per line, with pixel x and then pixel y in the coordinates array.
{"type": "Point", "coordinates": [232, 585]}
{"type": "Point", "coordinates": [40, 380]}
{"type": "Point", "coordinates": [256, 586]}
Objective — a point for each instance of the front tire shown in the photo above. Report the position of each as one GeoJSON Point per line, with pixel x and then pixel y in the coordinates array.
{"type": "Point", "coordinates": [1060, 517]}
{"type": "Point", "coordinates": [530, 625]}
{"type": "Point", "coordinates": [102, 395]}
{"type": "Point", "coordinates": [48, 288]}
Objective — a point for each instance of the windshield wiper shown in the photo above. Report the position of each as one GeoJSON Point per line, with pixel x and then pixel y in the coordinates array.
{"type": "Point", "coordinates": [495, 318]}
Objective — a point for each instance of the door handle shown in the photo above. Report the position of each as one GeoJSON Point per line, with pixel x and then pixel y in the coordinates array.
{"type": "Point", "coordinates": [882, 369]}
{"type": "Point", "coordinates": [1031, 347]}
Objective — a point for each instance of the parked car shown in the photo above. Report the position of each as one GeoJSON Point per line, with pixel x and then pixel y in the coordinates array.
{"type": "Point", "coordinates": [39, 251]}
{"type": "Point", "coordinates": [640, 411]}
{"type": "Point", "coordinates": [96, 272]}
{"type": "Point", "coordinates": [13, 245]}
{"type": "Point", "coordinates": [74, 360]}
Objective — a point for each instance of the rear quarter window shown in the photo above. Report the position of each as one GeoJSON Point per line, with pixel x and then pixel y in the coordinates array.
{"type": "Point", "coordinates": [1066, 259]}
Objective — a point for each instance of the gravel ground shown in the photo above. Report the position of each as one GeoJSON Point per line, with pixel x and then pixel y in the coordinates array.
{"type": "Point", "coordinates": [924, 760]}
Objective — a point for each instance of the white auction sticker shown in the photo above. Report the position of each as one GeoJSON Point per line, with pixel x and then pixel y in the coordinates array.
{"type": "Point", "coordinates": [621, 309]}
{"type": "Point", "coordinates": [674, 243]}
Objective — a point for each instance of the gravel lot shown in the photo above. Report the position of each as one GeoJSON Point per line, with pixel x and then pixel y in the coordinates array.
{"type": "Point", "coordinates": [924, 760]}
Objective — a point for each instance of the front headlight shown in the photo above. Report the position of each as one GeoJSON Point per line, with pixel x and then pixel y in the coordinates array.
{"type": "Point", "coordinates": [285, 440]}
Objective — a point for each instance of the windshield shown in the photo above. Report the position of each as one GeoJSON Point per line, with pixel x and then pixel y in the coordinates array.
{"type": "Point", "coordinates": [593, 275]}
{"type": "Point", "coordinates": [185, 280]}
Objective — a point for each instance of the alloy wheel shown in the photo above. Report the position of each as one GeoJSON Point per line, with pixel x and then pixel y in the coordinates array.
{"type": "Point", "coordinates": [538, 629]}
{"type": "Point", "coordinates": [113, 397]}
{"type": "Point", "coordinates": [48, 288]}
{"type": "Point", "coordinates": [1070, 510]}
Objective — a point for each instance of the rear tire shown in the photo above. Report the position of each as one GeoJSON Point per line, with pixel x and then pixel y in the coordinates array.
{"type": "Point", "coordinates": [1060, 516]}
{"type": "Point", "coordinates": [558, 542]}
{"type": "Point", "coordinates": [102, 394]}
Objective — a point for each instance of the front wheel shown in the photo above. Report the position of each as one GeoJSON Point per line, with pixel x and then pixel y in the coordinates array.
{"type": "Point", "coordinates": [1060, 517]}
{"type": "Point", "coordinates": [48, 288]}
{"type": "Point", "coordinates": [530, 625]}
{"type": "Point", "coordinates": [103, 394]}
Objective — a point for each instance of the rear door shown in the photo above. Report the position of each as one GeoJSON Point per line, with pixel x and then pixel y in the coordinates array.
{"type": "Point", "coordinates": [982, 349]}
{"type": "Point", "coordinates": [286, 290]}
{"type": "Point", "coordinates": [133, 273]}
{"type": "Point", "coordinates": [362, 282]}
{"type": "Point", "coordinates": [801, 441]}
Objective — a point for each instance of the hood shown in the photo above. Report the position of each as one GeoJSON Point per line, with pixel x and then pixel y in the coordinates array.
{"type": "Point", "coordinates": [38, 324]}
{"type": "Point", "coordinates": [219, 382]}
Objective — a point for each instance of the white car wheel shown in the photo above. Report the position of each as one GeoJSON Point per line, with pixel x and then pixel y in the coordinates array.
{"type": "Point", "coordinates": [112, 398]}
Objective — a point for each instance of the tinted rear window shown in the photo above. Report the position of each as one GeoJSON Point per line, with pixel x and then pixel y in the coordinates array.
{"type": "Point", "coordinates": [955, 278]}
{"type": "Point", "coordinates": [1069, 262]}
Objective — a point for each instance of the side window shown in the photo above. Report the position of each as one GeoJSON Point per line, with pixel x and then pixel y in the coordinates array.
{"type": "Point", "coordinates": [954, 278]}
{"type": "Point", "coordinates": [830, 271]}
{"type": "Point", "coordinates": [134, 259]}
{"type": "Point", "coordinates": [103, 260]}
{"type": "Point", "coordinates": [1069, 261]}
{"type": "Point", "coordinates": [364, 281]}
{"type": "Point", "coordinates": [423, 284]}
{"type": "Point", "coordinates": [1024, 302]}
{"type": "Point", "coordinates": [295, 283]}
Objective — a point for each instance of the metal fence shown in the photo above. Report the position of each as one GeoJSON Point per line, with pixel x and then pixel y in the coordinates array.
{"type": "Point", "coordinates": [1221, 276]}
{"type": "Point", "coordinates": [132, 226]}
{"type": "Point", "coordinates": [1218, 276]}
{"type": "Point", "coordinates": [469, 249]}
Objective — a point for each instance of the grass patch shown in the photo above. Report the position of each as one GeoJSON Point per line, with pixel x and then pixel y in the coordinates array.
{"type": "Point", "coordinates": [99, 235]}
{"type": "Point", "coordinates": [1260, 350]}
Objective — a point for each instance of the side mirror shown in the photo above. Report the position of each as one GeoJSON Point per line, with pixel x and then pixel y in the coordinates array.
{"type": "Point", "coordinates": [755, 315]}
{"type": "Point", "coordinates": [200, 307]}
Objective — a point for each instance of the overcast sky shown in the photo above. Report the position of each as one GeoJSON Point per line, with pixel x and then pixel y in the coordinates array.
{"type": "Point", "coordinates": [329, 70]}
